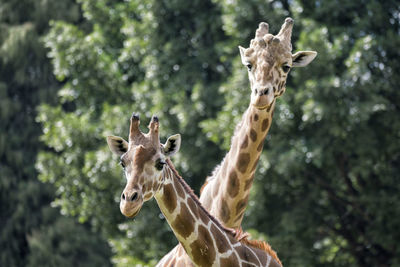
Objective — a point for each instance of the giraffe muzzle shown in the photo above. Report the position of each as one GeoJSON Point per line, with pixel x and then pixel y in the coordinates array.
{"type": "Point", "coordinates": [131, 203]}
{"type": "Point", "coordinates": [261, 92]}
{"type": "Point", "coordinates": [131, 198]}
{"type": "Point", "coordinates": [262, 97]}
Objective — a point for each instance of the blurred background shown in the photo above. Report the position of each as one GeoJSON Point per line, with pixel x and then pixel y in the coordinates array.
{"type": "Point", "coordinates": [326, 191]}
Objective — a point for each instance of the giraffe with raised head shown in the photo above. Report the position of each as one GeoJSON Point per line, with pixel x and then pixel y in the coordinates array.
{"type": "Point", "coordinates": [150, 173]}
{"type": "Point", "coordinates": [268, 61]}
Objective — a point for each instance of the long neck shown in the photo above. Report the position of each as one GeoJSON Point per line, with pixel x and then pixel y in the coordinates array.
{"type": "Point", "coordinates": [227, 192]}
{"type": "Point", "coordinates": [204, 239]}
{"type": "Point", "coordinates": [200, 234]}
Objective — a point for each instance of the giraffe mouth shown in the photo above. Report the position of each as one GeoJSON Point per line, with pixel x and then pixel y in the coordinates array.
{"type": "Point", "coordinates": [130, 210]}
{"type": "Point", "coordinates": [262, 102]}
{"type": "Point", "coordinates": [262, 107]}
{"type": "Point", "coordinates": [131, 216]}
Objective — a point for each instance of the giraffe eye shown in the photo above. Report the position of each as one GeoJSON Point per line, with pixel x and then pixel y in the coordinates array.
{"type": "Point", "coordinates": [160, 164]}
{"type": "Point", "coordinates": [249, 66]}
{"type": "Point", "coordinates": [286, 68]}
{"type": "Point", "coordinates": [122, 164]}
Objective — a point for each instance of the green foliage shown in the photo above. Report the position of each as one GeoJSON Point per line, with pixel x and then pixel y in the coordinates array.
{"type": "Point", "coordinates": [26, 80]}
{"type": "Point", "coordinates": [329, 174]}
{"type": "Point", "coordinates": [160, 60]}
{"type": "Point", "coordinates": [144, 240]}
{"type": "Point", "coordinates": [63, 243]}
{"type": "Point", "coordinates": [332, 155]}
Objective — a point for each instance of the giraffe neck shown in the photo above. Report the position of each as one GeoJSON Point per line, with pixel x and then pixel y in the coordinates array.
{"type": "Point", "coordinates": [204, 239]}
{"type": "Point", "coordinates": [198, 232]}
{"type": "Point", "coordinates": [227, 192]}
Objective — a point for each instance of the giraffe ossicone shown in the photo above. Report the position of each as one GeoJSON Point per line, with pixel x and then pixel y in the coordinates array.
{"type": "Point", "coordinates": [150, 173]}
{"type": "Point", "coordinates": [268, 60]}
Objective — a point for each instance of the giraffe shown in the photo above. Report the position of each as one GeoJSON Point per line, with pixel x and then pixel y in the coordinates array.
{"type": "Point", "coordinates": [150, 173]}
{"type": "Point", "coordinates": [268, 61]}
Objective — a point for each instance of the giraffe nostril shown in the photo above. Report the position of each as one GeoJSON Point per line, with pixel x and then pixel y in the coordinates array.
{"type": "Point", "coordinates": [266, 91]}
{"type": "Point", "coordinates": [134, 196]}
{"type": "Point", "coordinates": [123, 196]}
{"type": "Point", "coordinates": [256, 91]}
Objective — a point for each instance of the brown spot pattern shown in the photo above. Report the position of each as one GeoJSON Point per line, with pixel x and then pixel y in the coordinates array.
{"type": "Point", "coordinates": [141, 179]}
{"type": "Point", "coordinates": [253, 135]}
{"type": "Point", "coordinates": [149, 171]}
{"type": "Point", "coordinates": [179, 189]}
{"type": "Point", "coordinates": [246, 255]}
{"type": "Point", "coordinates": [149, 186]}
{"type": "Point", "coordinates": [220, 240]}
{"type": "Point", "coordinates": [224, 211]}
{"type": "Point", "coordinates": [260, 145]}
{"type": "Point", "coordinates": [245, 142]}
{"type": "Point", "coordinates": [231, 261]}
{"type": "Point", "coordinates": [265, 124]}
{"type": "Point", "coordinates": [274, 263]}
{"type": "Point", "coordinates": [147, 195]}
{"type": "Point", "coordinates": [233, 184]}
{"type": "Point", "coordinates": [239, 217]}
{"type": "Point", "coordinates": [193, 207]}
{"type": "Point", "coordinates": [255, 117]}
{"type": "Point", "coordinates": [270, 106]}
{"type": "Point", "coordinates": [241, 204]}
{"type": "Point", "coordinates": [204, 218]}
{"type": "Point", "coordinates": [141, 156]}
{"type": "Point", "coordinates": [169, 197]}
{"type": "Point", "coordinates": [255, 164]}
{"type": "Point", "coordinates": [184, 222]}
{"type": "Point", "coordinates": [249, 182]}
{"type": "Point", "coordinates": [280, 85]}
{"type": "Point", "coordinates": [243, 162]}
{"type": "Point", "coordinates": [203, 250]}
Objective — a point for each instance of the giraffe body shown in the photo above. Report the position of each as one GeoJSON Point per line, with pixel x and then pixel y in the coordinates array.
{"type": "Point", "coordinates": [268, 60]}
{"type": "Point", "coordinates": [150, 173]}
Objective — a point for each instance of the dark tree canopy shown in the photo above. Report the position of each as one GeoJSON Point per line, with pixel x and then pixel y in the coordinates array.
{"type": "Point", "coordinates": [327, 185]}
{"type": "Point", "coordinates": [31, 232]}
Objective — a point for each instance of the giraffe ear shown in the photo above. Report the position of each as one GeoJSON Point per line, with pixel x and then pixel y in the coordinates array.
{"type": "Point", "coordinates": [242, 56]}
{"type": "Point", "coordinates": [117, 145]}
{"type": "Point", "coordinates": [303, 58]}
{"type": "Point", "coordinates": [172, 145]}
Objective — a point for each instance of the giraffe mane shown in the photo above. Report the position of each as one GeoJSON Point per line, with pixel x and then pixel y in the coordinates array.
{"type": "Point", "coordinates": [203, 186]}
{"type": "Point", "coordinates": [242, 237]}
{"type": "Point", "coordinates": [238, 234]}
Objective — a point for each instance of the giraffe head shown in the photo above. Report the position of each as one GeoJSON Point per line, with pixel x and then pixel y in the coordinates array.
{"type": "Point", "coordinates": [269, 60]}
{"type": "Point", "coordinates": [142, 159]}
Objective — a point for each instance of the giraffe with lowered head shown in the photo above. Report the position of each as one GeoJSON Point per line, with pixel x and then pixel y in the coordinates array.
{"type": "Point", "coordinates": [268, 61]}
{"type": "Point", "coordinates": [150, 173]}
